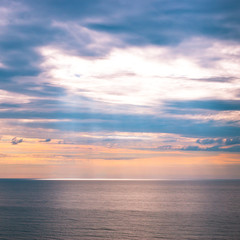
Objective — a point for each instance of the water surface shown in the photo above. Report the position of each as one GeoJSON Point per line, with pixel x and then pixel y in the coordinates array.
{"type": "Point", "coordinates": [66, 210]}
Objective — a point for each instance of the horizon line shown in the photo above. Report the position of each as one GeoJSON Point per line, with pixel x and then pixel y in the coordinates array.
{"type": "Point", "coordinates": [121, 179]}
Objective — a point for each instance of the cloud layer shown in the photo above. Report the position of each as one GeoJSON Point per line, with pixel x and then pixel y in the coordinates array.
{"type": "Point", "coordinates": [135, 74]}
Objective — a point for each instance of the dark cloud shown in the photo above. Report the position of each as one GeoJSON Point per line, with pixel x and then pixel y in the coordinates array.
{"type": "Point", "coordinates": [16, 141]}
{"type": "Point", "coordinates": [219, 141]}
{"type": "Point", "coordinates": [69, 10]}
{"type": "Point", "coordinates": [193, 148]}
{"type": "Point", "coordinates": [220, 148]}
{"type": "Point", "coordinates": [207, 141]}
{"type": "Point", "coordinates": [46, 140]}
{"type": "Point", "coordinates": [160, 148]}
{"type": "Point", "coordinates": [32, 89]}
{"type": "Point", "coordinates": [165, 147]}
{"type": "Point", "coordinates": [217, 105]}
{"type": "Point", "coordinates": [18, 50]}
{"type": "Point", "coordinates": [215, 79]}
{"type": "Point", "coordinates": [232, 141]}
{"type": "Point", "coordinates": [9, 105]}
{"type": "Point", "coordinates": [164, 23]}
{"type": "Point", "coordinates": [86, 121]}
{"type": "Point", "coordinates": [212, 149]}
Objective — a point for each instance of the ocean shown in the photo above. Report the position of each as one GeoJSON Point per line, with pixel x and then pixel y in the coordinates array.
{"type": "Point", "coordinates": [122, 210]}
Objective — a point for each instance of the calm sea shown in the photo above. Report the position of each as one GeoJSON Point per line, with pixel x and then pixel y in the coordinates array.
{"type": "Point", "coordinates": [67, 210]}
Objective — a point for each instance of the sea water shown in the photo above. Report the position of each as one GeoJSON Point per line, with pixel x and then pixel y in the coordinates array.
{"type": "Point", "coordinates": [70, 210]}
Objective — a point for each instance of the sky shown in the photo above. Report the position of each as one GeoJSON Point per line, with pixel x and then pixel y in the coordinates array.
{"type": "Point", "coordinates": [140, 89]}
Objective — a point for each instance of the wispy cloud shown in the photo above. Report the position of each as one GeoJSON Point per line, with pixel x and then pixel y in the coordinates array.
{"type": "Point", "coordinates": [46, 140]}
{"type": "Point", "coordinates": [16, 141]}
{"type": "Point", "coordinates": [208, 141]}
{"type": "Point", "coordinates": [213, 149]}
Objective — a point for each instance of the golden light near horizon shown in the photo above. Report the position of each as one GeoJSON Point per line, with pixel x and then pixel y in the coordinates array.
{"type": "Point", "coordinates": [52, 160]}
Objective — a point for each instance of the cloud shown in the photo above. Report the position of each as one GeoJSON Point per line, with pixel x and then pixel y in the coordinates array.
{"type": "Point", "coordinates": [212, 149]}
{"type": "Point", "coordinates": [146, 22]}
{"type": "Point", "coordinates": [97, 122]}
{"type": "Point", "coordinates": [46, 140]}
{"type": "Point", "coordinates": [217, 105]}
{"type": "Point", "coordinates": [16, 141]}
{"type": "Point", "coordinates": [77, 28]}
{"type": "Point", "coordinates": [215, 79]}
{"type": "Point", "coordinates": [232, 141]}
{"type": "Point", "coordinates": [208, 141]}
{"type": "Point", "coordinates": [169, 77]}
{"type": "Point", "coordinates": [133, 66]}
{"type": "Point", "coordinates": [163, 23]}
{"type": "Point", "coordinates": [219, 141]}
{"type": "Point", "coordinates": [193, 148]}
